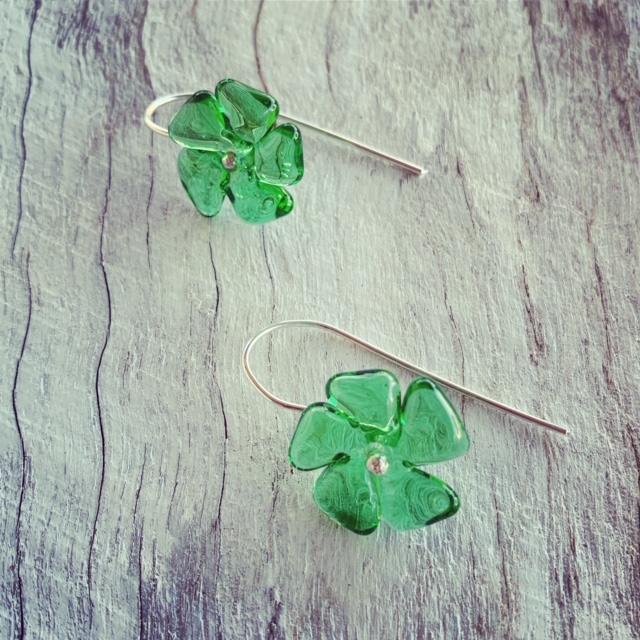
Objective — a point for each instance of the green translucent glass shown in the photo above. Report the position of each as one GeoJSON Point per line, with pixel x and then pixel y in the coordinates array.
{"type": "Point", "coordinates": [322, 435]}
{"type": "Point", "coordinates": [204, 179]}
{"type": "Point", "coordinates": [372, 444]}
{"type": "Point", "coordinates": [255, 201]}
{"type": "Point", "coordinates": [249, 113]}
{"type": "Point", "coordinates": [233, 149]}
{"type": "Point", "coordinates": [199, 125]}
{"type": "Point", "coordinates": [432, 430]}
{"type": "Point", "coordinates": [279, 156]}
{"type": "Point", "coordinates": [372, 398]}
{"type": "Point", "coordinates": [344, 492]}
{"type": "Point", "coordinates": [411, 498]}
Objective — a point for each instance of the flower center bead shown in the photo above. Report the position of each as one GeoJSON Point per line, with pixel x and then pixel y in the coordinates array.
{"type": "Point", "coordinates": [377, 464]}
{"type": "Point", "coordinates": [229, 161]}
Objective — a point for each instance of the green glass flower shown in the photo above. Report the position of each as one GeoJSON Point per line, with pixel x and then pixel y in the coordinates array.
{"type": "Point", "coordinates": [233, 148]}
{"type": "Point", "coordinates": [372, 443]}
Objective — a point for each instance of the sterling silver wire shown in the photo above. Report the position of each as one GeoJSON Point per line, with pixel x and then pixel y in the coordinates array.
{"type": "Point", "coordinates": [388, 356]}
{"type": "Point", "coordinates": [409, 167]}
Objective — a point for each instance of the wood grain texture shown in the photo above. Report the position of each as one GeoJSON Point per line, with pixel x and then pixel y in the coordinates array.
{"type": "Point", "coordinates": [144, 485]}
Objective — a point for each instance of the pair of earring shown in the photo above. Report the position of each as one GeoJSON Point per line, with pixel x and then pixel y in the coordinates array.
{"type": "Point", "coordinates": [370, 440]}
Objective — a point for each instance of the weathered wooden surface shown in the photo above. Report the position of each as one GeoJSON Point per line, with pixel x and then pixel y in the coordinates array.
{"type": "Point", "coordinates": [144, 484]}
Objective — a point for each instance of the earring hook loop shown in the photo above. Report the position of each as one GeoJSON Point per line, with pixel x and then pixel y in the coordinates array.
{"type": "Point", "coordinates": [316, 324]}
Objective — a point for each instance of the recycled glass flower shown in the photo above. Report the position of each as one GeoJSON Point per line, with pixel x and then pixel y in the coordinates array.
{"type": "Point", "coordinates": [233, 148]}
{"type": "Point", "coordinates": [372, 443]}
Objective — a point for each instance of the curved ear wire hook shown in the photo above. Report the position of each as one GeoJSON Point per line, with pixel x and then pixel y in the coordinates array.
{"type": "Point", "coordinates": [409, 167]}
{"type": "Point", "coordinates": [388, 356]}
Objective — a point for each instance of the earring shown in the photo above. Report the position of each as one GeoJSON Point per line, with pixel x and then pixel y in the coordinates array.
{"type": "Point", "coordinates": [233, 148]}
{"type": "Point", "coordinates": [371, 442]}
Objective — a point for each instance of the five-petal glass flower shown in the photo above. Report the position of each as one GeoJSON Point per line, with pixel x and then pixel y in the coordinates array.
{"type": "Point", "coordinates": [372, 443]}
{"type": "Point", "coordinates": [233, 148]}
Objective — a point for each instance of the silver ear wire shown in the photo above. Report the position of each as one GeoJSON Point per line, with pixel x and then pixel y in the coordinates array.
{"type": "Point", "coordinates": [409, 167]}
{"type": "Point", "coordinates": [388, 356]}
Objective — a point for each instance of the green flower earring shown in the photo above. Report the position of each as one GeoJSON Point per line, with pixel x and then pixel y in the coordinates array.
{"type": "Point", "coordinates": [371, 442]}
{"type": "Point", "coordinates": [231, 147]}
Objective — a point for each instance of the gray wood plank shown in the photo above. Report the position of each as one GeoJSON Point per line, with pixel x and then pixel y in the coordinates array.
{"type": "Point", "coordinates": [144, 485]}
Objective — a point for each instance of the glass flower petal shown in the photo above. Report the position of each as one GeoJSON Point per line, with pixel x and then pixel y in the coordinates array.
{"type": "Point", "coordinates": [257, 202]}
{"type": "Point", "coordinates": [279, 156]}
{"type": "Point", "coordinates": [249, 113]}
{"type": "Point", "coordinates": [199, 124]}
{"type": "Point", "coordinates": [204, 179]}
{"type": "Point", "coordinates": [322, 435]}
{"type": "Point", "coordinates": [345, 493]}
{"type": "Point", "coordinates": [370, 398]}
{"type": "Point", "coordinates": [432, 430]}
{"type": "Point", "coordinates": [411, 498]}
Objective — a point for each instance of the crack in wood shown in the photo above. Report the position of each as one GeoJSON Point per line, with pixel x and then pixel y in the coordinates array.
{"type": "Point", "coordinates": [141, 59]}
{"type": "Point", "coordinates": [23, 115]}
{"type": "Point", "coordinates": [465, 191]}
{"type": "Point", "coordinates": [506, 605]}
{"type": "Point", "coordinates": [456, 332]}
{"type": "Point", "coordinates": [105, 208]}
{"type": "Point", "coordinates": [144, 463]}
{"type": "Point", "coordinates": [328, 47]}
{"type": "Point", "coordinates": [215, 279]}
{"type": "Point", "coordinates": [274, 630]}
{"type": "Point", "coordinates": [147, 77]}
{"type": "Point", "coordinates": [633, 613]}
{"type": "Point", "coordinates": [536, 326]}
{"type": "Point", "coordinates": [140, 534]}
{"type": "Point", "coordinates": [273, 288]}
{"type": "Point", "coordinates": [224, 461]}
{"type": "Point", "coordinates": [255, 46]}
{"type": "Point", "coordinates": [175, 487]}
{"type": "Point", "coordinates": [534, 15]}
{"type": "Point", "coordinates": [82, 23]}
{"type": "Point", "coordinates": [607, 363]}
{"type": "Point", "coordinates": [216, 526]}
{"type": "Point", "coordinates": [530, 161]}
{"type": "Point", "coordinates": [141, 628]}
{"type": "Point", "coordinates": [147, 214]}
{"type": "Point", "coordinates": [25, 463]}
